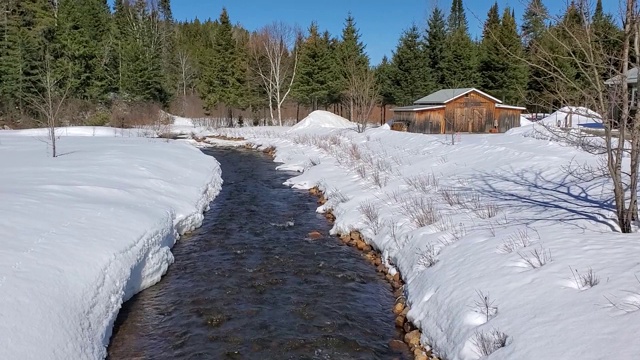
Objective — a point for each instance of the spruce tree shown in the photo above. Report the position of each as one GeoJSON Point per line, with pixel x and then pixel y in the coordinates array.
{"type": "Point", "coordinates": [315, 71]}
{"type": "Point", "coordinates": [350, 55]}
{"type": "Point", "coordinates": [223, 75]}
{"type": "Point", "coordinates": [515, 69]}
{"type": "Point", "coordinates": [460, 65]}
{"type": "Point", "coordinates": [608, 39]}
{"type": "Point", "coordinates": [409, 75]}
{"type": "Point", "coordinates": [493, 60]}
{"type": "Point", "coordinates": [435, 45]}
{"type": "Point", "coordinates": [533, 21]}
{"type": "Point", "coordinates": [534, 35]}
{"type": "Point", "coordinates": [384, 75]}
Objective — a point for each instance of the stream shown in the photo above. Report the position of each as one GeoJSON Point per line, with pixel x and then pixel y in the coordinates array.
{"type": "Point", "coordinates": [250, 284]}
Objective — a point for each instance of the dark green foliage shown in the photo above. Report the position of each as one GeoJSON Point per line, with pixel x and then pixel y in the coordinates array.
{"type": "Point", "coordinates": [410, 76]}
{"type": "Point", "coordinates": [435, 45]}
{"type": "Point", "coordinates": [222, 70]}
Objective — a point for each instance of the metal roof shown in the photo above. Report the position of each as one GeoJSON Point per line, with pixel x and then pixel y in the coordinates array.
{"type": "Point", "coordinates": [632, 77]}
{"type": "Point", "coordinates": [417, 108]}
{"type": "Point", "coordinates": [445, 95]}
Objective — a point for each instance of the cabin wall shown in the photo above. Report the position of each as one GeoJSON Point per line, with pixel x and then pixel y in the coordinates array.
{"type": "Point", "coordinates": [470, 113]}
{"type": "Point", "coordinates": [508, 118]}
{"type": "Point", "coordinates": [425, 121]}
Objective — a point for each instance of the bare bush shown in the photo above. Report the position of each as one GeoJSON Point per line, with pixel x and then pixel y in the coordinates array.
{"type": "Point", "coordinates": [451, 196]}
{"type": "Point", "coordinates": [354, 152]}
{"type": "Point", "coordinates": [483, 304]}
{"type": "Point", "coordinates": [487, 211]}
{"type": "Point", "coordinates": [428, 256]}
{"type": "Point", "coordinates": [362, 171]}
{"type": "Point", "coordinates": [337, 196]}
{"type": "Point", "coordinates": [379, 179]}
{"type": "Point", "coordinates": [537, 257]}
{"type": "Point", "coordinates": [585, 280]}
{"type": "Point", "coordinates": [371, 216]}
{"type": "Point", "coordinates": [423, 182]}
{"type": "Point", "coordinates": [394, 232]}
{"type": "Point", "coordinates": [488, 342]}
{"type": "Point", "coordinates": [420, 211]}
{"type": "Point", "coordinates": [517, 240]}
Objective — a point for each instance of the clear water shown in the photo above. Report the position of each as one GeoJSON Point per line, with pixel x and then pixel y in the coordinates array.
{"type": "Point", "coordinates": [247, 285]}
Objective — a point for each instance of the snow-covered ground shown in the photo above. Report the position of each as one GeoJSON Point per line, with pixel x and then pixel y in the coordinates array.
{"type": "Point", "coordinates": [83, 232]}
{"type": "Point", "coordinates": [510, 219]}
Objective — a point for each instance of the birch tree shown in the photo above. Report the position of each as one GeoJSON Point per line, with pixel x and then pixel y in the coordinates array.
{"type": "Point", "coordinates": [275, 61]}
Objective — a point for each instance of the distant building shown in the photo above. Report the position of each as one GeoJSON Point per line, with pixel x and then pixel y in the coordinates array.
{"type": "Point", "coordinates": [457, 110]}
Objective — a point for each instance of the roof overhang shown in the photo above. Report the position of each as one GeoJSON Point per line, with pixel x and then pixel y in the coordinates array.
{"type": "Point", "coordinates": [465, 93]}
{"type": "Point", "coordinates": [500, 106]}
{"type": "Point", "coordinates": [417, 108]}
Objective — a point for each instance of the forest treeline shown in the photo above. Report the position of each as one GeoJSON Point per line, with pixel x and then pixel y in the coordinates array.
{"type": "Point", "coordinates": [120, 65]}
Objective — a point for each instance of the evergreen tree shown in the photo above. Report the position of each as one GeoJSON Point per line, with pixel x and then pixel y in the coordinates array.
{"type": "Point", "coordinates": [384, 73]}
{"type": "Point", "coordinates": [435, 45]}
{"type": "Point", "coordinates": [460, 63]}
{"type": "Point", "coordinates": [534, 34]}
{"type": "Point", "coordinates": [350, 55]}
{"type": "Point", "coordinates": [493, 60]}
{"type": "Point", "coordinates": [83, 35]}
{"type": "Point", "coordinates": [223, 74]}
{"type": "Point", "coordinates": [409, 75]}
{"type": "Point", "coordinates": [608, 38]}
{"type": "Point", "coordinates": [516, 69]}
{"type": "Point", "coordinates": [313, 84]}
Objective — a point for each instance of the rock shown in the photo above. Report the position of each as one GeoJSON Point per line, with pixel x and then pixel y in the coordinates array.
{"type": "Point", "coordinates": [398, 346]}
{"type": "Point", "coordinates": [377, 261]}
{"type": "Point", "coordinates": [396, 277]}
{"type": "Point", "coordinates": [413, 338]}
{"type": "Point", "coordinates": [398, 308]}
{"type": "Point", "coordinates": [419, 355]}
{"type": "Point", "coordinates": [397, 293]}
{"type": "Point", "coordinates": [360, 244]}
{"type": "Point", "coordinates": [355, 236]}
{"type": "Point", "coordinates": [345, 238]}
{"type": "Point", "coordinates": [367, 248]}
{"type": "Point", "coordinates": [380, 268]}
{"type": "Point", "coordinates": [314, 235]}
{"type": "Point", "coordinates": [400, 321]}
{"type": "Point", "coordinates": [405, 311]}
{"type": "Point", "coordinates": [408, 327]}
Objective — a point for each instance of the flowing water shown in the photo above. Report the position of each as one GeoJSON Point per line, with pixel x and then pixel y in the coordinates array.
{"type": "Point", "coordinates": [249, 284]}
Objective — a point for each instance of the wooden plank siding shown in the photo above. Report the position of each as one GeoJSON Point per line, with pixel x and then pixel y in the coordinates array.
{"type": "Point", "coordinates": [470, 113]}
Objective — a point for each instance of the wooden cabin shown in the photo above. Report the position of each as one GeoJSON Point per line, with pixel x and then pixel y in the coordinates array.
{"type": "Point", "coordinates": [457, 110]}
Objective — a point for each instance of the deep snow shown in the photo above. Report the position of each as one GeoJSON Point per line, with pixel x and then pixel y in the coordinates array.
{"type": "Point", "coordinates": [83, 232]}
{"type": "Point", "coordinates": [489, 202]}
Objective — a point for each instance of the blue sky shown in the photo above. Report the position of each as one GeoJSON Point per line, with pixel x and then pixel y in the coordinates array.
{"type": "Point", "coordinates": [381, 22]}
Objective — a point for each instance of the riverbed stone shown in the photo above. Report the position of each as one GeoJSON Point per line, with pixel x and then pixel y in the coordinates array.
{"type": "Point", "coordinates": [355, 235]}
{"type": "Point", "coordinates": [398, 308]}
{"type": "Point", "coordinates": [413, 338]}
{"type": "Point", "coordinates": [400, 319]}
{"type": "Point", "coordinates": [398, 346]}
{"type": "Point", "coordinates": [314, 235]}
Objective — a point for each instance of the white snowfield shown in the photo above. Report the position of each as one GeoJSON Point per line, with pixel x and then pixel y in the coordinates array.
{"type": "Point", "coordinates": [513, 218]}
{"type": "Point", "coordinates": [83, 232]}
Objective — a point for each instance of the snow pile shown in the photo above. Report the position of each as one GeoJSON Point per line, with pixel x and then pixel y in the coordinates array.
{"type": "Point", "coordinates": [181, 121]}
{"type": "Point", "coordinates": [571, 116]}
{"type": "Point", "coordinates": [85, 231]}
{"type": "Point", "coordinates": [323, 119]}
{"type": "Point", "coordinates": [495, 216]}
{"type": "Point", "coordinates": [524, 121]}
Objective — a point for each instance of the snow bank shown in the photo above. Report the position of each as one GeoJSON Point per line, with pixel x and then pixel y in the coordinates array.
{"type": "Point", "coordinates": [497, 198]}
{"type": "Point", "coordinates": [323, 119]}
{"type": "Point", "coordinates": [571, 116]}
{"type": "Point", "coordinates": [81, 131]}
{"type": "Point", "coordinates": [85, 231]}
{"type": "Point", "coordinates": [524, 121]}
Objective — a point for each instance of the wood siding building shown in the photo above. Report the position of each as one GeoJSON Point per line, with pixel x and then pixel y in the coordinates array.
{"type": "Point", "coordinates": [457, 110]}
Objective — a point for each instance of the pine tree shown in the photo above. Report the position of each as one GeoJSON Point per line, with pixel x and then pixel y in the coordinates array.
{"type": "Point", "coordinates": [223, 75]}
{"type": "Point", "coordinates": [534, 34]}
{"type": "Point", "coordinates": [493, 60]}
{"type": "Point", "coordinates": [409, 75]}
{"type": "Point", "coordinates": [384, 80]}
{"type": "Point", "coordinates": [608, 38]}
{"type": "Point", "coordinates": [82, 36]}
{"type": "Point", "coordinates": [515, 69]}
{"type": "Point", "coordinates": [460, 65]}
{"type": "Point", "coordinates": [435, 45]}
{"type": "Point", "coordinates": [350, 55]}
{"type": "Point", "coordinates": [313, 84]}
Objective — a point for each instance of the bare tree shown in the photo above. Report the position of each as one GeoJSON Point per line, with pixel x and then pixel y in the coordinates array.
{"type": "Point", "coordinates": [577, 47]}
{"type": "Point", "coordinates": [362, 93]}
{"type": "Point", "coordinates": [186, 76]}
{"type": "Point", "coordinates": [48, 99]}
{"type": "Point", "coordinates": [275, 61]}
